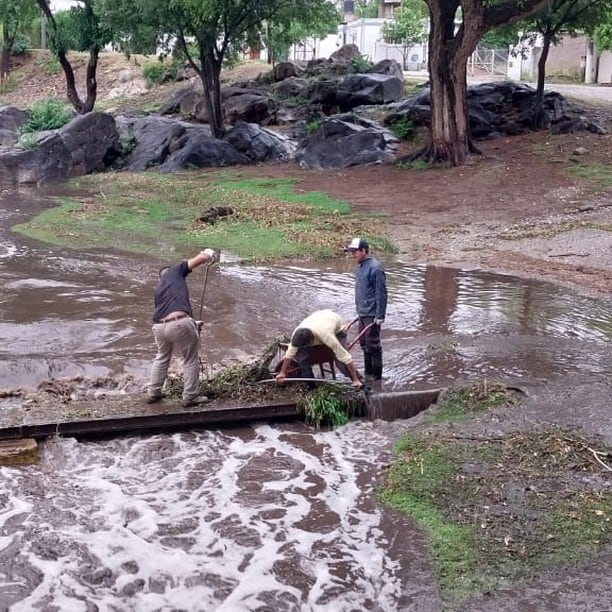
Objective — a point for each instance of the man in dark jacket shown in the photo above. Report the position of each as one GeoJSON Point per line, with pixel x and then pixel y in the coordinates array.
{"type": "Point", "coordinates": [175, 331]}
{"type": "Point", "coordinates": [371, 304]}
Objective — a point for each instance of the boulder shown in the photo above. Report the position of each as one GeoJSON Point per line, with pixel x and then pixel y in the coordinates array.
{"type": "Point", "coordinates": [93, 141]}
{"type": "Point", "coordinates": [252, 108]}
{"type": "Point", "coordinates": [198, 150]}
{"type": "Point", "coordinates": [285, 70]}
{"type": "Point", "coordinates": [340, 144]}
{"type": "Point", "coordinates": [49, 161]}
{"type": "Point", "coordinates": [260, 144]}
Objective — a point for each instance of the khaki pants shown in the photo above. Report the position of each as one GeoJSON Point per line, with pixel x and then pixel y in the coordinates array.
{"type": "Point", "coordinates": [179, 338]}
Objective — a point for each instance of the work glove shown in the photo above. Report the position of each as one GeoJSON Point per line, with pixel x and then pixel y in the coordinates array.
{"type": "Point", "coordinates": [379, 322]}
{"type": "Point", "coordinates": [199, 325]}
{"type": "Point", "coordinates": [210, 252]}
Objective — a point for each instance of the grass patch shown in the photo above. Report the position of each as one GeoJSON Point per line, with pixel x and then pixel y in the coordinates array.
{"type": "Point", "coordinates": [461, 403]}
{"type": "Point", "coordinates": [598, 174]}
{"type": "Point", "coordinates": [149, 213]}
{"type": "Point", "coordinates": [501, 509]}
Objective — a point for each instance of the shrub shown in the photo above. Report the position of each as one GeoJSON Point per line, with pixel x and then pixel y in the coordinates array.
{"type": "Point", "coordinates": [28, 141]}
{"type": "Point", "coordinates": [313, 125]}
{"type": "Point", "coordinates": [403, 129]}
{"type": "Point", "coordinates": [360, 63]}
{"type": "Point", "coordinates": [47, 114]}
{"type": "Point", "coordinates": [49, 63]}
{"type": "Point", "coordinates": [159, 72]}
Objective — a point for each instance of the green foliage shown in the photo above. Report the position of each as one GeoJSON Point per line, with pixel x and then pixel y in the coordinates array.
{"type": "Point", "coordinates": [15, 18]}
{"type": "Point", "coordinates": [145, 212]}
{"type": "Point", "coordinates": [501, 37]}
{"type": "Point", "coordinates": [134, 25]}
{"type": "Point", "coordinates": [68, 31]}
{"type": "Point", "coordinates": [459, 491]}
{"type": "Point", "coordinates": [289, 26]}
{"type": "Point", "coordinates": [159, 72]}
{"type": "Point", "coordinates": [28, 141]}
{"type": "Point", "coordinates": [327, 405]}
{"type": "Point", "coordinates": [603, 32]}
{"type": "Point", "coordinates": [366, 9]}
{"type": "Point", "coordinates": [49, 63]}
{"type": "Point", "coordinates": [359, 63]}
{"type": "Point", "coordinates": [21, 45]}
{"type": "Point", "coordinates": [47, 114]}
{"type": "Point", "coordinates": [407, 27]}
{"type": "Point", "coordinates": [469, 400]}
{"type": "Point", "coordinates": [313, 125]}
{"type": "Point", "coordinates": [403, 129]}
{"type": "Point", "coordinates": [79, 29]}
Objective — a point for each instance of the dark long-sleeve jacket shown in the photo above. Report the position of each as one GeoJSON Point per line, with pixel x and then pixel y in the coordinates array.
{"type": "Point", "coordinates": [370, 289]}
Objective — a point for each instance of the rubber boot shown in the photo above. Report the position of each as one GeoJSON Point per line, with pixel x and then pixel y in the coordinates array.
{"type": "Point", "coordinates": [367, 364]}
{"type": "Point", "coordinates": [377, 366]}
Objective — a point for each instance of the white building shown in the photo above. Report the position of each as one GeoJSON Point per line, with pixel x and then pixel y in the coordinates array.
{"type": "Point", "coordinates": [367, 35]}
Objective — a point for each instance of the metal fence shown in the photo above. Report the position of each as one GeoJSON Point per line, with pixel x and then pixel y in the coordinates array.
{"type": "Point", "coordinates": [488, 61]}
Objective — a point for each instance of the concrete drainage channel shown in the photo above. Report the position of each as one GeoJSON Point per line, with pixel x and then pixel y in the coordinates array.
{"type": "Point", "coordinates": [18, 442]}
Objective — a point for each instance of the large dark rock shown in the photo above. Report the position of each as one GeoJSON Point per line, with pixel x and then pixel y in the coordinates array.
{"type": "Point", "coordinates": [197, 150]}
{"type": "Point", "coordinates": [11, 119]}
{"type": "Point", "coordinates": [260, 144]}
{"type": "Point", "coordinates": [93, 141]}
{"type": "Point", "coordinates": [292, 87]}
{"type": "Point", "coordinates": [250, 108]}
{"type": "Point", "coordinates": [367, 89]}
{"type": "Point", "coordinates": [285, 70]}
{"type": "Point", "coordinates": [340, 144]}
{"type": "Point", "coordinates": [49, 161]}
{"type": "Point", "coordinates": [152, 139]}
{"type": "Point", "coordinates": [500, 108]}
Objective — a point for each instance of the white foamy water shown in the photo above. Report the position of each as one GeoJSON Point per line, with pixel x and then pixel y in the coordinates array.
{"type": "Point", "coordinates": [274, 518]}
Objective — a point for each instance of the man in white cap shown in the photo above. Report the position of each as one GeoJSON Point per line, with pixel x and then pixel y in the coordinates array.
{"type": "Point", "coordinates": [371, 304]}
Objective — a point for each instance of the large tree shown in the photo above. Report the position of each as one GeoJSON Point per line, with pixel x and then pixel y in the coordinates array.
{"type": "Point", "coordinates": [90, 37]}
{"type": "Point", "coordinates": [207, 31]}
{"type": "Point", "coordinates": [456, 26]}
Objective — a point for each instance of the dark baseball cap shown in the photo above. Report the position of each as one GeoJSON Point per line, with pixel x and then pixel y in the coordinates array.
{"type": "Point", "coordinates": [357, 244]}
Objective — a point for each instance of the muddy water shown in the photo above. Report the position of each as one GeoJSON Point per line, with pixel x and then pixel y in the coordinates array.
{"type": "Point", "coordinates": [64, 313]}
{"type": "Point", "coordinates": [264, 518]}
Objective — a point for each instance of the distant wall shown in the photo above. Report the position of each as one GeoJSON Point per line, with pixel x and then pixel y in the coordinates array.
{"type": "Point", "coordinates": [604, 73]}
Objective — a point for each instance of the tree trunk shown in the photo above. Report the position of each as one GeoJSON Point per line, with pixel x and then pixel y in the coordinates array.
{"type": "Point", "coordinates": [91, 82]}
{"type": "Point", "coordinates": [539, 119]}
{"type": "Point", "coordinates": [450, 47]}
{"type": "Point", "coordinates": [71, 91]}
{"type": "Point", "coordinates": [449, 134]}
{"type": "Point", "coordinates": [211, 80]}
{"type": "Point", "coordinates": [5, 58]}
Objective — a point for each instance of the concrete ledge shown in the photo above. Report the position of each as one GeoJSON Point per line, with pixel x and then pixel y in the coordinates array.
{"type": "Point", "coordinates": [18, 452]}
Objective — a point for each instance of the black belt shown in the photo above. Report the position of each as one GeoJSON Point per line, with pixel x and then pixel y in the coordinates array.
{"type": "Point", "coordinates": [175, 318]}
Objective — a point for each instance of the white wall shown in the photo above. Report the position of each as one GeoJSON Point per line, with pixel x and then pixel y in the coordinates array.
{"type": "Point", "coordinates": [604, 72]}
{"type": "Point", "coordinates": [366, 34]}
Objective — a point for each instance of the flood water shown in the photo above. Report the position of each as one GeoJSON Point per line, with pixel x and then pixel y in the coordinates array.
{"type": "Point", "coordinates": [259, 518]}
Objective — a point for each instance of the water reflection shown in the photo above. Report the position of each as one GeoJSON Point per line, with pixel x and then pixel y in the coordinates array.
{"type": "Point", "coordinates": [89, 313]}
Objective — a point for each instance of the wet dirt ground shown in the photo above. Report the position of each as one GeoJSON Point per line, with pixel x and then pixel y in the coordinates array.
{"type": "Point", "coordinates": [68, 314]}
